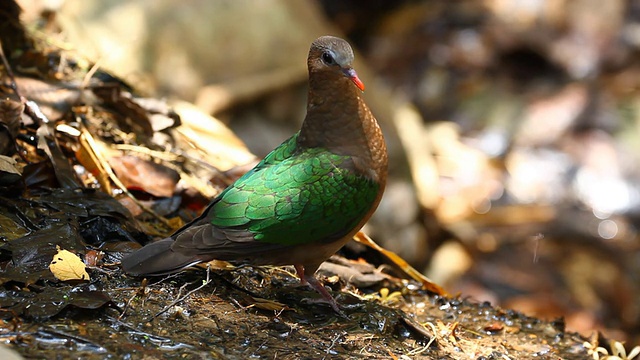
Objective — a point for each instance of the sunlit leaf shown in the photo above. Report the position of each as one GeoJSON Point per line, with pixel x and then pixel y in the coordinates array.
{"type": "Point", "coordinates": [427, 283]}
{"type": "Point", "coordinates": [68, 266]}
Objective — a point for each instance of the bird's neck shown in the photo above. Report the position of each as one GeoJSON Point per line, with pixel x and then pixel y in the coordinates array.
{"type": "Point", "coordinates": [339, 120]}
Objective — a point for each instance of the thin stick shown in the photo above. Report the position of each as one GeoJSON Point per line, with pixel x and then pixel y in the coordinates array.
{"type": "Point", "coordinates": [180, 299]}
{"type": "Point", "coordinates": [14, 85]}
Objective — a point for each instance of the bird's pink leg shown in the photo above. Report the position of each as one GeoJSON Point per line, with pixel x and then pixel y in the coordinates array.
{"type": "Point", "coordinates": [317, 286]}
{"type": "Point", "coordinates": [300, 273]}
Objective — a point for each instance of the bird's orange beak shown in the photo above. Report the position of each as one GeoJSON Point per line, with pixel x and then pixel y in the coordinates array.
{"type": "Point", "coordinates": [351, 74]}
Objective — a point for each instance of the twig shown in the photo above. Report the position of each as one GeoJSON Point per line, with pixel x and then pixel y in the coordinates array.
{"type": "Point", "coordinates": [333, 343]}
{"type": "Point", "coordinates": [14, 85]}
{"type": "Point", "coordinates": [139, 291]}
{"type": "Point", "coordinates": [89, 74]}
{"type": "Point", "coordinates": [180, 299]}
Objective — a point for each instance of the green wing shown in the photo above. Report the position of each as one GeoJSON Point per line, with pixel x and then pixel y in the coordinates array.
{"type": "Point", "coordinates": [294, 197]}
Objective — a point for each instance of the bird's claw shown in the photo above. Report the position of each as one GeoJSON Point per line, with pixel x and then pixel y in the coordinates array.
{"type": "Point", "coordinates": [334, 305]}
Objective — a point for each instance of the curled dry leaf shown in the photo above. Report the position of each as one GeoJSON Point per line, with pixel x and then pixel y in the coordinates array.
{"type": "Point", "coordinates": [67, 266]}
{"type": "Point", "coordinates": [353, 274]}
{"type": "Point", "coordinates": [137, 173]}
{"type": "Point", "coordinates": [93, 257]}
{"type": "Point", "coordinates": [266, 304]}
{"type": "Point", "coordinates": [427, 283]}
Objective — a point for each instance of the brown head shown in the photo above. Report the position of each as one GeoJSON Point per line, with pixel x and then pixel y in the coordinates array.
{"type": "Point", "coordinates": [331, 57]}
{"type": "Point", "coordinates": [337, 117]}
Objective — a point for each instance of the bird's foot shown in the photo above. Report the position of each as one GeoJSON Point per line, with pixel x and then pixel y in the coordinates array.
{"type": "Point", "coordinates": [323, 301]}
{"type": "Point", "coordinates": [326, 297]}
{"type": "Point", "coordinates": [311, 280]}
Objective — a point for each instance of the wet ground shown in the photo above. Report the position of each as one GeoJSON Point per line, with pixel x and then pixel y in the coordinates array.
{"type": "Point", "coordinates": [262, 313]}
{"type": "Point", "coordinates": [81, 123]}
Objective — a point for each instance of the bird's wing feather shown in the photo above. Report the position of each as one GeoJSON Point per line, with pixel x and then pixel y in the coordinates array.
{"type": "Point", "coordinates": [287, 199]}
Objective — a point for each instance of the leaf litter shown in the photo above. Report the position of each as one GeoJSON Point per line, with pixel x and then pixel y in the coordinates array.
{"type": "Point", "coordinates": [69, 198]}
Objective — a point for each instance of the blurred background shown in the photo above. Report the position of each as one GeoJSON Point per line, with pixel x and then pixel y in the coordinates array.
{"type": "Point", "coordinates": [513, 126]}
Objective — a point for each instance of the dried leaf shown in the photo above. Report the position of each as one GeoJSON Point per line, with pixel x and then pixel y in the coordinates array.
{"type": "Point", "coordinates": [68, 266]}
{"type": "Point", "coordinates": [215, 143]}
{"type": "Point", "coordinates": [53, 98]}
{"type": "Point", "coordinates": [10, 114]}
{"type": "Point", "coordinates": [218, 265]}
{"type": "Point", "coordinates": [136, 173]}
{"type": "Point", "coordinates": [352, 274]}
{"type": "Point", "coordinates": [48, 142]}
{"type": "Point", "coordinates": [133, 117]}
{"type": "Point", "coordinates": [266, 304]}
{"type": "Point", "coordinates": [87, 155]}
{"type": "Point", "coordinates": [9, 173]}
{"type": "Point", "coordinates": [427, 284]}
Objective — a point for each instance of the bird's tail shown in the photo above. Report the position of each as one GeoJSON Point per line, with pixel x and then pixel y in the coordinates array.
{"type": "Point", "coordinates": [157, 259]}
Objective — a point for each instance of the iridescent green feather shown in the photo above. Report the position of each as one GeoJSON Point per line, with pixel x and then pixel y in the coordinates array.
{"type": "Point", "coordinates": [296, 196]}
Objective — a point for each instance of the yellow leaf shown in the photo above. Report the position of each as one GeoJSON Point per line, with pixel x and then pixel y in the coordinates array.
{"type": "Point", "coordinates": [68, 266]}
{"type": "Point", "coordinates": [266, 304]}
{"type": "Point", "coordinates": [427, 284]}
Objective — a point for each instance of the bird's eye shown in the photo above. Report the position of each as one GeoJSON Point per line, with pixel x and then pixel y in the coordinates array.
{"type": "Point", "coordinates": [328, 59]}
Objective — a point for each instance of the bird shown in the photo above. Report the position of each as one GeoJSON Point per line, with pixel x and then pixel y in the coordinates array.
{"type": "Point", "coordinates": [305, 200]}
